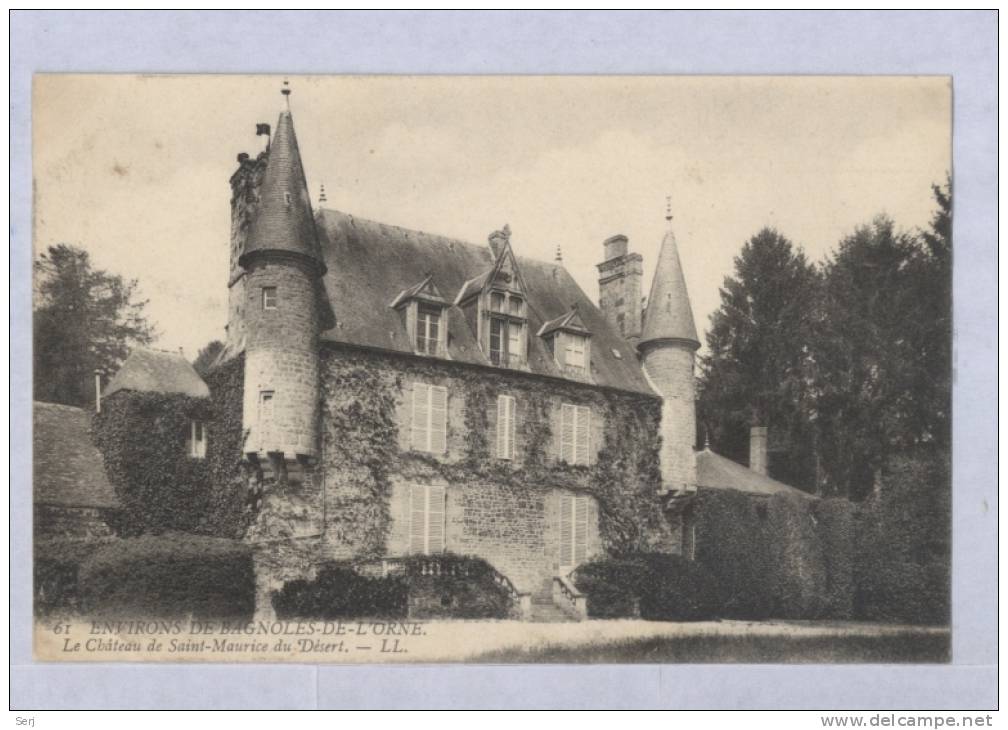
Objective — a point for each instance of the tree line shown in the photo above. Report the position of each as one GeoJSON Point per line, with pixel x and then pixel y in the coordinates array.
{"type": "Point", "coordinates": [847, 361]}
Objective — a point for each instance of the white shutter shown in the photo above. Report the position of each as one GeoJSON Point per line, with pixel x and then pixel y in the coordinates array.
{"type": "Point", "coordinates": [421, 419]}
{"type": "Point", "coordinates": [582, 432]}
{"type": "Point", "coordinates": [580, 529]}
{"type": "Point", "coordinates": [505, 426]}
{"type": "Point", "coordinates": [435, 519]}
{"type": "Point", "coordinates": [418, 519]}
{"type": "Point", "coordinates": [438, 419]}
{"type": "Point", "coordinates": [566, 531]}
{"type": "Point", "coordinates": [567, 424]}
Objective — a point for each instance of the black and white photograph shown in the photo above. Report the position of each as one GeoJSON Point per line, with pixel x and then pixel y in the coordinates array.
{"type": "Point", "coordinates": [492, 369]}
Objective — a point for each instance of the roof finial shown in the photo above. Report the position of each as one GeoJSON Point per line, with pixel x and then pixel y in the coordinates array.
{"type": "Point", "coordinates": [668, 208]}
{"type": "Point", "coordinates": [286, 92]}
{"type": "Point", "coordinates": [321, 195]}
{"type": "Point", "coordinates": [559, 256]}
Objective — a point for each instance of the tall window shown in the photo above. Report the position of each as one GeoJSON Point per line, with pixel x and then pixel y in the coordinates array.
{"type": "Point", "coordinates": [197, 440]}
{"type": "Point", "coordinates": [573, 548]}
{"type": "Point", "coordinates": [507, 329]}
{"type": "Point", "coordinates": [575, 432]}
{"type": "Point", "coordinates": [430, 418]}
{"type": "Point", "coordinates": [269, 297]}
{"type": "Point", "coordinates": [427, 519]}
{"type": "Point", "coordinates": [428, 329]}
{"type": "Point", "coordinates": [505, 427]}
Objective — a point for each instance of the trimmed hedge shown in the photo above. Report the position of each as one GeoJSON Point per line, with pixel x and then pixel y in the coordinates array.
{"type": "Point", "coordinates": [464, 589]}
{"type": "Point", "coordinates": [339, 591]}
{"type": "Point", "coordinates": [171, 576]}
{"type": "Point", "coordinates": [657, 586]}
{"type": "Point", "coordinates": [56, 571]}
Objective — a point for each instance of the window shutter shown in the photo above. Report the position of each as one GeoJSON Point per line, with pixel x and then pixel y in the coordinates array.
{"type": "Point", "coordinates": [565, 531]}
{"type": "Point", "coordinates": [582, 434]}
{"type": "Point", "coordinates": [418, 519]}
{"type": "Point", "coordinates": [438, 419]}
{"type": "Point", "coordinates": [567, 418]}
{"type": "Point", "coordinates": [580, 529]}
{"type": "Point", "coordinates": [505, 427]}
{"type": "Point", "coordinates": [435, 519]}
{"type": "Point", "coordinates": [421, 395]}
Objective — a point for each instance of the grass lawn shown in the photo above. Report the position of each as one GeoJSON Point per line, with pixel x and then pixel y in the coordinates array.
{"type": "Point", "coordinates": [908, 646]}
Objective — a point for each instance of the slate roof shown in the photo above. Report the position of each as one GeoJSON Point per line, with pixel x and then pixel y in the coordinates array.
{"type": "Point", "coordinates": [68, 469]}
{"type": "Point", "coordinates": [716, 472]}
{"type": "Point", "coordinates": [283, 221]}
{"type": "Point", "coordinates": [369, 263]}
{"type": "Point", "coordinates": [669, 315]}
{"type": "Point", "coordinates": [154, 371]}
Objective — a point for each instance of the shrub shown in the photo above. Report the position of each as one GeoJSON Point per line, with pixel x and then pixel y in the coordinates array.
{"type": "Point", "coordinates": [169, 576]}
{"type": "Point", "coordinates": [662, 587]}
{"type": "Point", "coordinates": [464, 588]}
{"type": "Point", "coordinates": [56, 569]}
{"type": "Point", "coordinates": [339, 591]}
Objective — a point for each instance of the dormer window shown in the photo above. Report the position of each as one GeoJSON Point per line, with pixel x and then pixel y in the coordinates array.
{"type": "Point", "coordinates": [422, 310]}
{"type": "Point", "coordinates": [507, 329]}
{"type": "Point", "coordinates": [575, 348]}
{"type": "Point", "coordinates": [570, 342]}
{"type": "Point", "coordinates": [428, 329]}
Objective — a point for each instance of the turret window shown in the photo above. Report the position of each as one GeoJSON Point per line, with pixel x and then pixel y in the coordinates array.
{"type": "Point", "coordinates": [265, 405]}
{"type": "Point", "coordinates": [269, 297]}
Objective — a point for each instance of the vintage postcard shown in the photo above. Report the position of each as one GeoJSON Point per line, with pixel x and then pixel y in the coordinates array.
{"type": "Point", "coordinates": [336, 369]}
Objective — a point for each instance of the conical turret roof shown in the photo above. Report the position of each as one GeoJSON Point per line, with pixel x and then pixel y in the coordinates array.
{"type": "Point", "coordinates": [669, 315]}
{"type": "Point", "coordinates": [284, 220]}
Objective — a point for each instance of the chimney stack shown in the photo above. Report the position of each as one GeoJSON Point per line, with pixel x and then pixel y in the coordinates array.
{"type": "Point", "coordinates": [758, 449]}
{"type": "Point", "coordinates": [620, 276]}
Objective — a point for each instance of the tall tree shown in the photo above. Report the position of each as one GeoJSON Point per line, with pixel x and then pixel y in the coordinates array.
{"type": "Point", "coordinates": [756, 372]}
{"type": "Point", "coordinates": [206, 357]}
{"type": "Point", "coordinates": [866, 358]}
{"type": "Point", "coordinates": [85, 319]}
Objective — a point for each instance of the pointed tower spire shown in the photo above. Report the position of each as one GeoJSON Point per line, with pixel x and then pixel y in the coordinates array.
{"type": "Point", "coordinates": [669, 315]}
{"type": "Point", "coordinates": [284, 221]}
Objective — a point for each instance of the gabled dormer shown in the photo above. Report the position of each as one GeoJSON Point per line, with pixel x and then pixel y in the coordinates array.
{"type": "Point", "coordinates": [496, 305]}
{"type": "Point", "coordinates": [569, 340]}
{"type": "Point", "coordinates": [423, 312]}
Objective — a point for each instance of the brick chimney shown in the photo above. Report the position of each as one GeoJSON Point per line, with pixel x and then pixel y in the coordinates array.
{"type": "Point", "coordinates": [620, 277]}
{"type": "Point", "coordinates": [758, 449]}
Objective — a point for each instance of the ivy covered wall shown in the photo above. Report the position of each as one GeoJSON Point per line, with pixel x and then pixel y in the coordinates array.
{"type": "Point", "coordinates": [366, 401]}
{"type": "Point", "coordinates": [142, 438]}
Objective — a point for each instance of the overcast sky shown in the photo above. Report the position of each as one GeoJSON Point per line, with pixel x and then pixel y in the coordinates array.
{"type": "Point", "coordinates": [135, 169]}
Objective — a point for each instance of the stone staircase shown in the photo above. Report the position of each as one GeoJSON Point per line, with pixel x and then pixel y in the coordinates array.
{"type": "Point", "coordinates": [544, 611]}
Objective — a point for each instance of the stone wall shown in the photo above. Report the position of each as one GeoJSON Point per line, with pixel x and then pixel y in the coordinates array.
{"type": "Point", "coordinates": [504, 511]}
{"type": "Point", "coordinates": [670, 368]}
{"type": "Point", "coordinates": [281, 356]}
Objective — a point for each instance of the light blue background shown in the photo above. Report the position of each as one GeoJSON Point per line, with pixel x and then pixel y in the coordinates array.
{"type": "Point", "coordinates": [961, 44]}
